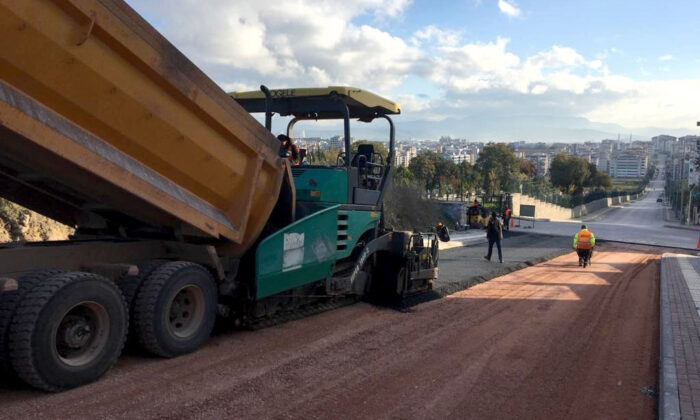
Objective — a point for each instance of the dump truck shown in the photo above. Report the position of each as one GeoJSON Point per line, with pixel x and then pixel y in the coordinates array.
{"type": "Point", "coordinates": [185, 207]}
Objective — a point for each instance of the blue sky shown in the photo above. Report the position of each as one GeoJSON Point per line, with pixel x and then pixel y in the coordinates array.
{"type": "Point", "coordinates": [620, 65]}
{"type": "Point", "coordinates": [638, 31]}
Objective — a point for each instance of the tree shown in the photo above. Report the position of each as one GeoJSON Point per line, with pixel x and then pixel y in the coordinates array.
{"type": "Point", "coordinates": [601, 180]}
{"type": "Point", "coordinates": [379, 147]}
{"type": "Point", "coordinates": [423, 169]}
{"type": "Point", "coordinates": [469, 178]}
{"type": "Point", "coordinates": [497, 164]}
{"type": "Point", "coordinates": [402, 176]}
{"type": "Point", "coordinates": [446, 176]}
{"type": "Point", "coordinates": [323, 157]}
{"type": "Point", "coordinates": [528, 168]}
{"type": "Point", "coordinates": [569, 173]}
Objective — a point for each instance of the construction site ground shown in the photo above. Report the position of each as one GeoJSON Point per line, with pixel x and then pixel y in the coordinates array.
{"type": "Point", "coordinates": [551, 340]}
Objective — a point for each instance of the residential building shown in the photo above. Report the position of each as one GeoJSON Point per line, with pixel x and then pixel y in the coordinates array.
{"type": "Point", "coordinates": [660, 142]}
{"type": "Point", "coordinates": [405, 153]}
{"type": "Point", "coordinates": [457, 155]}
{"type": "Point", "coordinates": [628, 165]}
{"type": "Point", "coordinates": [541, 161]}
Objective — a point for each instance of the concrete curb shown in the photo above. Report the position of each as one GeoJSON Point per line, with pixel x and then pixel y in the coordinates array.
{"type": "Point", "coordinates": [611, 241]}
{"type": "Point", "coordinates": [684, 227]}
{"type": "Point", "coordinates": [669, 398]}
{"type": "Point", "coordinates": [477, 240]}
{"type": "Point", "coordinates": [459, 285]}
{"type": "Point", "coordinates": [666, 216]}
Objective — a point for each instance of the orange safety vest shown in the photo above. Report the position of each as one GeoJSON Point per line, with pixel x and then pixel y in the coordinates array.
{"type": "Point", "coordinates": [507, 213]}
{"type": "Point", "coordinates": [584, 240]}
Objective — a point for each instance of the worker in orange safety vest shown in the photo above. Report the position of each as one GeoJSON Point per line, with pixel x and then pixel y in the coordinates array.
{"type": "Point", "coordinates": [584, 242]}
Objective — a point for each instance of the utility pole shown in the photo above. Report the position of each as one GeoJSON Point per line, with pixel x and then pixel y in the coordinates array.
{"type": "Point", "coordinates": [690, 200]}
{"type": "Point", "coordinates": [680, 209]}
{"type": "Point", "coordinates": [461, 180]}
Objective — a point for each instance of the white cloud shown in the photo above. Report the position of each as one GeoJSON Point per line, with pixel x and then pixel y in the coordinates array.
{"type": "Point", "coordinates": [307, 42]}
{"type": "Point", "coordinates": [659, 103]}
{"type": "Point", "coordinates": [509, 8]}
{"type": "Point", "coordinates": [246, 43]}
{"type": "Point", "coordinates": [414, 103]}
{"type": "Point", "coordinates": [539, 89]}
{"type": "Point", "coordinates": [596, 64]}
{"type": "Point", "coordinates": [666, 57]}
{"type": "Point", "coordinates": [441, 37]}
{"type": "Point", "coordinates": [557, 57]}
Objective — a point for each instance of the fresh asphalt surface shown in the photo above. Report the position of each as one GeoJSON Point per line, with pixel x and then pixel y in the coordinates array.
{"type": "Point", "coordinates": [457, 264]}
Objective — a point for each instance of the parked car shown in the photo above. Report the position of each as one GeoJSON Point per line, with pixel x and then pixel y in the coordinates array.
{"type": "Point", "coordinates": [659, 200]}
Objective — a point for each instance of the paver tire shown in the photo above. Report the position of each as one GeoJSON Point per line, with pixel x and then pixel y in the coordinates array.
{"type": "Point", "coordinates": [175, 309]}
{"type": "Point", "coordinates": [68, 331]}
{"type": "Point", "coordinates": [385, 280]}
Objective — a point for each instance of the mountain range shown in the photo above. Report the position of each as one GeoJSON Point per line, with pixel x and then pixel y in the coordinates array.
{"type": "Point", "coordinates": [530, 128]}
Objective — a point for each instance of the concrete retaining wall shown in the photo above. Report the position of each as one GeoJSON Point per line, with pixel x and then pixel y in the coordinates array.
{"type": "Point", "coordinates": [585, 209]}
{"type": "Point", "coordinates": [545, 210]}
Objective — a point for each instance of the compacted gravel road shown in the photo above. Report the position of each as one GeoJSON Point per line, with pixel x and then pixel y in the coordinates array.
{"type": "Point", "coordinates": [553, 340]}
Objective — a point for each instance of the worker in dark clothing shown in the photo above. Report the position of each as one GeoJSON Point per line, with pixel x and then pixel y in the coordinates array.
{"type": "Point", "coordinates": [494, 233]}
{"type": "Point", "coordinates": [290, 150]}
{"type": "Point", "coordinates": [442, 232]}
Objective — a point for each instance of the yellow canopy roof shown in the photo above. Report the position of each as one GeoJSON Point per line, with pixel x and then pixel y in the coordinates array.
{"type": "Point", "coordinates": [304, 101]}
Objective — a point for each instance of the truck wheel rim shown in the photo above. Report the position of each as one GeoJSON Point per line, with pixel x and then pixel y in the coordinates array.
{"type": "Point", "coordinates": [186, 312]}
{"type": "Point", "coordinates": [82, 334]}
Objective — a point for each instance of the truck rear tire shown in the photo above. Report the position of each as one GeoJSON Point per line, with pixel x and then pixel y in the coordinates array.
{"type": "Point", "coordinates": [130, 286]}
{"type": "Point", "coordinates": [175, 309]}
{"type": "Point", "coordinates": [8, 306]}
{"type": "Point", "coordinates": [68, 331]}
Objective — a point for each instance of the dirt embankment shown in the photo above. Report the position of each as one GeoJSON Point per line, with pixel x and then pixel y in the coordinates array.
{"type": "Point", "coordinates": [18, 224]}
{"type": "Point", "coordinates": [549, 341]}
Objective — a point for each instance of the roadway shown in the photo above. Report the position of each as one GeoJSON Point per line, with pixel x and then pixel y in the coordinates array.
{"type": "Point", "coordinates": [549, 341]}
{"type": "Point", "coordinates": [641, 222]}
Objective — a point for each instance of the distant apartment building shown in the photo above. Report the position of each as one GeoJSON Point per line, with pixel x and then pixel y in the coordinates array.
{"type": "Point", "coordinates": [457, 155]}
{"type": "Point", "coordinates": [682, 168]}
{"type": "Point", "coordinates": [628, 165]}
{"type": "Point", "coordinates": [662, 142]}
{"type": "Point", "coordinates": [405, 154]}
{"type": "Point", "coordinates": [541, 161]}
{"type": "Point", "coordinates": [338, 142]}
{"type": "Point", "coordinates": [689, 143]}
{"type": "Point", "coordinates": [603, 161]}
{"type": "Point", "coordinates": [608, 145]}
